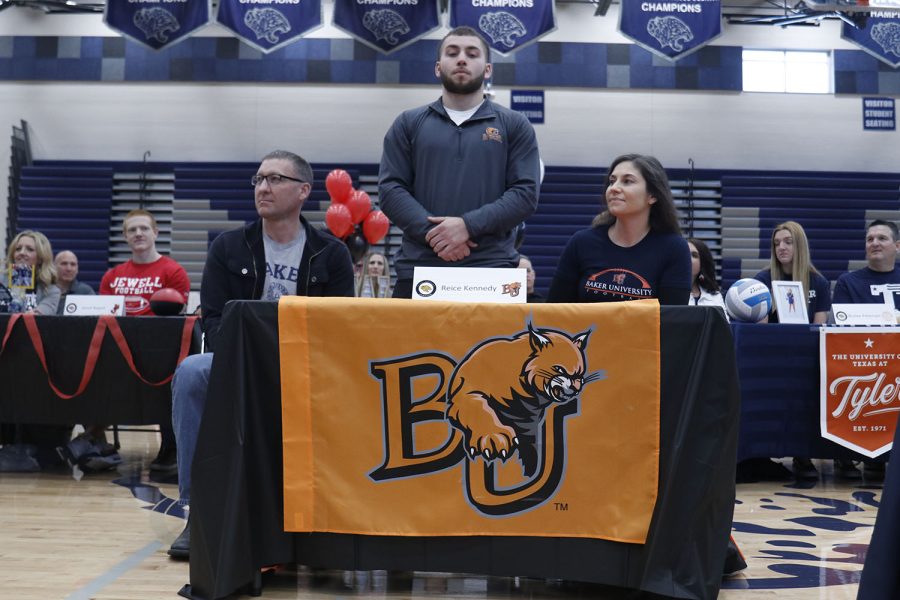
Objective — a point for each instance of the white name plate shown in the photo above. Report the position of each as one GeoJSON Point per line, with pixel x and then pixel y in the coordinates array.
{"type": "Point", "coordinates": [863, 314]}
{"type": "Point", "coordinates": [470, 284]}
{"type": "Point", "coordinates": [82, 305]}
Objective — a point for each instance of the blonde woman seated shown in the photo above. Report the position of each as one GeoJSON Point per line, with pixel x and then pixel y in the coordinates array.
{"type": "Point", "coordinates": [32, 249]}
{"type": "Point", "coordinates": [791, 262]}
{"type": "Point", "coordinates": [31, 447]}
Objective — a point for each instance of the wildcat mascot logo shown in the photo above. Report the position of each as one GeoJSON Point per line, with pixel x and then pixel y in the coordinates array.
{"type": "Point", "coordinates": [508, 397]}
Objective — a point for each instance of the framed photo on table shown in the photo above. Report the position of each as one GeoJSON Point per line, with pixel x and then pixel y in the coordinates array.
{"type": "Point", "coordinates": [790, 301]}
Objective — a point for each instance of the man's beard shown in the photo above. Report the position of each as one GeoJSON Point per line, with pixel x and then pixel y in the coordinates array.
{"type": "Point", "coordinates": [469, 87]}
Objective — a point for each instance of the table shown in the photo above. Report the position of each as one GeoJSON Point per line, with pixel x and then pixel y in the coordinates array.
{"type": "Point", "coordinates": [114, 393]}
{"type": "Point", "coordinates": [778, 367]}
{"type": "Point", "coordinates": [237, 506]}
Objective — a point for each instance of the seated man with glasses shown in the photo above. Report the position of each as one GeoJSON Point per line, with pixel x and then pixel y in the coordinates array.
{"type": "Point", "coordinates": [278, 254]}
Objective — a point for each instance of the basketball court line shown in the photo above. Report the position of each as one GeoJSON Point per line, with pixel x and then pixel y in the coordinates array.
{"type": "Point", "coordinates": [98, 583]}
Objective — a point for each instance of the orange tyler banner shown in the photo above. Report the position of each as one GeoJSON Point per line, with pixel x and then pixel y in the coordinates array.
{"type": "Point", "coordinates": [453, 419]}
{"type": "Point", "coordinates": [860, 371]}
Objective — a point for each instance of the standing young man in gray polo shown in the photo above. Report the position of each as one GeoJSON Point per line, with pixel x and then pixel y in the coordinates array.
{"type": "Point", "coordinates": [459, 174]}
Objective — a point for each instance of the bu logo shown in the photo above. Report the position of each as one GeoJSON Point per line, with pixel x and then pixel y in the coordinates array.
{"type": "Point", "coordinates": [504, 402]}
{"type": "Point", "coordinates": [619, 278]}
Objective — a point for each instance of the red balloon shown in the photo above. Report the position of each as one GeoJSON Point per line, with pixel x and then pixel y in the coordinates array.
{"type": "Point", "coordinates": [337, 217]}
{"type": "Point", "coordinates": [375, 226]}
{"type": "Point", "coordinates": [339, 186]}
{"type": "Point", "coordinates": [359, 204]}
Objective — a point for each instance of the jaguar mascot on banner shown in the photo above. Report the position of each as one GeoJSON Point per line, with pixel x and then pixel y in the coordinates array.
{"type": "Point", "coordinates": [385, 24]}
{"type": "Point", "coordinates": [156, 23]}
{"type": "Point", "coordinates": [670, 31]}
{"type": "Point", "coordinates": [267, 23]}
{"type": "Point", "coordinates": [502, 27]}
{"type": "Point", "coordinates": [888, 37]}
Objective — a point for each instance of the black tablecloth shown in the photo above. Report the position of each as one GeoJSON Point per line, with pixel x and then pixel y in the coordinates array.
{"type": "Point", "coordinates": [114, 395]}
{"type": "Point", "coordinates": [236, 508]}
{"type": "Point", "coordinates": [778, 366]}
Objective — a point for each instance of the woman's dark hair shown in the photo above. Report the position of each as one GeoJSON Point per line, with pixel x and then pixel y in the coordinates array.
{"type": "Point", "coordinates": [663, 216]}
{"type": "Point", "coordinates": [706, 278]}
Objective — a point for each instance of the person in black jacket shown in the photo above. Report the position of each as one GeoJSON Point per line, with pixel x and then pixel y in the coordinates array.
{"type": "Point", "coordinates": [277, 255]}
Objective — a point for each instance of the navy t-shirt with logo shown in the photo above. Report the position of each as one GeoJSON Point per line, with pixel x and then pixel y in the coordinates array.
{"type": "Point", "coordinates": [594, 269]}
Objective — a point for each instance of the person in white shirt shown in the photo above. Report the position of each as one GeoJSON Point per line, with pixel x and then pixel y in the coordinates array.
{"type": "Point", "coordinates": [705, 290]}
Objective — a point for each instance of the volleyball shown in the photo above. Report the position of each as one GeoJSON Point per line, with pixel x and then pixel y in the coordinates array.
{"type": "Point", "coordinates": [748, 301]}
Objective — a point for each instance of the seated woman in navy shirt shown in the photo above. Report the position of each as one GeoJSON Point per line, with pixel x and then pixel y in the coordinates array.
{"type": "Point", "coordinates": [791, 262]}
{"type": "Point", "coordinates": [634, 248]}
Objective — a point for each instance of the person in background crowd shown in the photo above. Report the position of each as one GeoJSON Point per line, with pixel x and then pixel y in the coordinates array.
{"type": "Point", "coordinates": [525, 263]}
{"type": "Point", "coordinates": [882, 245]}
{"type": "Point", "coordinates": [67, 278]}
{"type": "Point", "coordinates": [32, 447]}
{"type": "Point", "coordinates": [368, 285]}
{"type": "Point", "coordinates": [855, 287]}
{"type": "Point", "coordinates": [705, 289]}
{"type": "Point", "coordinates": [458, 175]}
{"type": "Point", "coordinates": [634, 248]}
{"type": "Point", "coordinates": [791, 261]}
{"type": "Point", "coordinates": [279, 254]}
{"type": "Point", "coordinates": [376, 264]}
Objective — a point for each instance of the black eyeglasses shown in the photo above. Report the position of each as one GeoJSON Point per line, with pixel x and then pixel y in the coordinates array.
{"type": "Point", "coordinates": [273, 179]}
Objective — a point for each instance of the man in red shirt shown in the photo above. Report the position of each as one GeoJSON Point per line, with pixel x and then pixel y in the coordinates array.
{"type": "Point", "coordinates": [137, 279]}
{"type": "Point", "coordinates": [147, 271]}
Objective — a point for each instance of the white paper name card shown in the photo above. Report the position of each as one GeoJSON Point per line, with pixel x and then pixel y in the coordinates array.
{"type": "Point", "coordinates": [470, 284]}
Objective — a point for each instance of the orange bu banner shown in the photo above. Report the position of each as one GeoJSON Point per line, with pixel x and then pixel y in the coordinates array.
{"type": "Point", "coordinates": [860, 370]}
{"type": "Point", "coordinates": [451, 419]}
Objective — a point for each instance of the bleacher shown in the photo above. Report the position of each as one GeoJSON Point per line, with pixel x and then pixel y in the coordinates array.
{"type": "Point", "coordinates": [70, 204]}
{"type": "Point", "coordinates": [570, 199]}
{"type": "Point", "coordinates": [833, 209]}
{"type": "Point", "coordinates": [79, 205]}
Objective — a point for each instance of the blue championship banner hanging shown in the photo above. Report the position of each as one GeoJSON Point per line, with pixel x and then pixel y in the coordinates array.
{"type": "Point", "coordinates": [507, 25]}
{"type": "Point", "coordinates": [269, 24]}
{"type": "Point", "coordinates": [386, 25]}
{"type": "Point", "coordinates": [671, 29]}
{"type": "Point", "coordinates": [880, 36]}
{"type": "Point", "coordinates": [156, 24]}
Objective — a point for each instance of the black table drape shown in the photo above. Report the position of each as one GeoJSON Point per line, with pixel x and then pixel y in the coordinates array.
{"type": "Point", "coordinates": [236, 522]}
{"type": "Point", "coordinates": [114, 393]}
